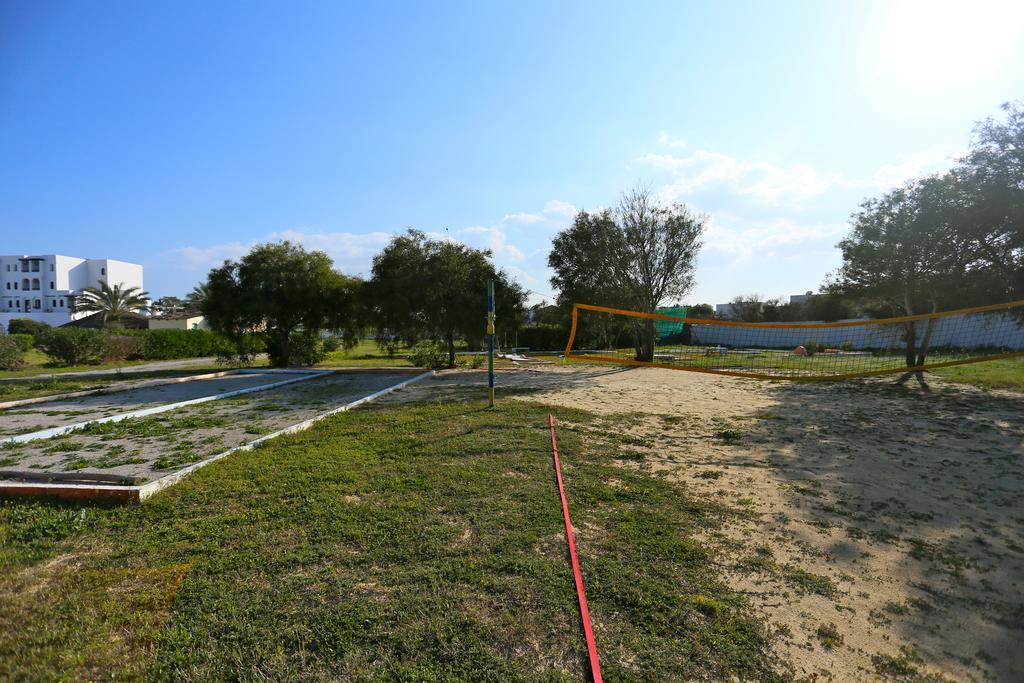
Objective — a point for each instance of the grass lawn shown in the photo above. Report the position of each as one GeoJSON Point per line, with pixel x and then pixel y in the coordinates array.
{"type": "Point", "coordinates": [1007, 373]}
{"type": "Point", "coordinates": [38, 363]}
{"type": "Point", "coordinates": [419, 542]}
{"type": "Point", "coordinates": [366, 354]}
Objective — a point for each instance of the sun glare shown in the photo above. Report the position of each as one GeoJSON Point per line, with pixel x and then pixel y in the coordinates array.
{"type": "Point", "coordinates": [944, 45]}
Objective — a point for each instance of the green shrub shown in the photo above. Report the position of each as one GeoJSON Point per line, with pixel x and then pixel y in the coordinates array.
{"type": "Point", "coordinates": [241, 351]}
{"type": "Point", "coordinates": [171, 344]}
{"type": "Point", "coordinates": [428, 354]}
{"type": "Point", "coordinates": [11, 355]}
{"type": "Point", "coordinates": [331, 344]}
{"type": "Point", "coordinates": [122, 347]}
{"type": "Point", "coordinates": [24, 341]}
{"type": "Point", "coordinates": [72, 345]}
{"type": "Point", "coordinates": [26, 326]}
{"type": "Point", "coordinates": [814, 347]}
{"type": "Point", "coordinates": [305, 348]}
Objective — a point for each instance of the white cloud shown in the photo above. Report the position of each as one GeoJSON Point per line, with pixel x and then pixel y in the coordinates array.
{"type": "Point", "coordinates": [554, 211]}
{"type": "Point", "coordinates": [520, 243]}
{"type": "Point", "coordinates": [746, 238]}
{"type": "Point", "coordinates": [351, 252]}
{"type": "Point", "coordinates": [204, 258]}
{"type": "Point", "coordinates": [666, 140]}
{"type": "Point", "coordinates": [784, 186]}
{"type": "Point", "coordinates": [494, 239]}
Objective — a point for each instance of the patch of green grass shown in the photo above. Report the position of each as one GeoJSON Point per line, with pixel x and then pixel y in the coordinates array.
{"type": "Point", "coordinates": [160, 425]}
{"type": "Point", "coordinates": [729, 435]}
{"type": "Point", "coordinates": [807, 582]}
{"type": "Point", "coordinates": [30, 530]}
{"type": "Point", "coordinates": [829, 636]}
{"type": "Point", "coordinates": [903, 665]}
{"type": "Point", "coordinates": [761, 561]}
{"type": "Point", "coordinates": [1007, 373]}
{"type": "Point", "coordinates": [383, 544]}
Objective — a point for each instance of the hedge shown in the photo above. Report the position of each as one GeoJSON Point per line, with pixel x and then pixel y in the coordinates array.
{"type": "Point", "coordinates": [72, 346]}
{"type": "Point", "coordinates": [26, 326]}
{"type": "Point", "coordinates": [172, 344]}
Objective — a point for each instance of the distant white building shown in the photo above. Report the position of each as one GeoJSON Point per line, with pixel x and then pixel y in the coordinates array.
{"type": "Point", "coordinates": [181, 321]}
{"type": "Point", "coordinates": [42, 287]}
{"type": "Point", "coordinates": [802, 298]}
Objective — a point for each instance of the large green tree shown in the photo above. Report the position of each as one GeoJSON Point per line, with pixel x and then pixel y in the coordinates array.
{"type": "Point", "coordinates": [424, 289]}
{"type": "Point", "coordinates": [944, 241]}
{"type": "Point", "coordinates": [636, 257]}
{"type": "Point", "coordinates": [286, 293]}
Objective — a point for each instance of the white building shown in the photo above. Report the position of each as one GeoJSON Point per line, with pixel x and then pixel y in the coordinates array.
{"type": "Point", "coordinates": [42, 287]}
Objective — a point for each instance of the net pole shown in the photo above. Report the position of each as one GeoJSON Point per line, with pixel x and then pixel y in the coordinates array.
{"type": "Point", "coordinates": [490, 343]}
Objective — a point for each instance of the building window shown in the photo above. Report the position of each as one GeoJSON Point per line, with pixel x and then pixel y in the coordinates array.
{"type": "Point", "coordinates": [103, 271]}
{"type": "Point", "coordinates": [15, 285]}
{"type": "Point", "coordinates": [35, 284]}
{"type": "Point", "coordinates": [51, 285]}
{"type": "Point", "coordinates": [51, 267]}
{"type": "Point", "coordinates": [39, 304]}
{"type": "Point", "coordinates": [62, 303]}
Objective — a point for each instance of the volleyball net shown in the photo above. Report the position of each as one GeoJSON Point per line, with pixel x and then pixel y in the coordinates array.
{"type": "Point", "coordinates": [797, 351]}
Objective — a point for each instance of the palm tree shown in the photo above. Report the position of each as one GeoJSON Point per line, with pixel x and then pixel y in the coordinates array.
{"type": "Point", "coordinates": [113, 302]}
{"type": "Point", "coordinates": [197, 297]}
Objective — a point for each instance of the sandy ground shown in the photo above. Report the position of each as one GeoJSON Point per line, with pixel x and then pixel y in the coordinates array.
{"type": "Point", "coordinates": [177, 438]}
{"type": "Point", "coordinates": [59, 413]}
{"type": "Point", "coordinates": [882, 528]}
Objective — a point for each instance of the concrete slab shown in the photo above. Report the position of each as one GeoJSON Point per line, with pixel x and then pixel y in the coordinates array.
{"type": "Point", "coordinates": [158, 451]}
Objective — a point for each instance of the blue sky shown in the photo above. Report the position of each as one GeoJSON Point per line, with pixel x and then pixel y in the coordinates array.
{"type": "Point", "coordinates": [178, 134]}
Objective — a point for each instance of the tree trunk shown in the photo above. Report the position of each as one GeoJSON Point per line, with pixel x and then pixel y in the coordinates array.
{"type": "Point", "coordinates": [649, 339]}
{"type": "Point", "coordinates": [451, 350]}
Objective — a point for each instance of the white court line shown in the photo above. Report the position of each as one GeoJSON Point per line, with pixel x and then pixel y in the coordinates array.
{"type": "Point", "coordinates": [57, 431]}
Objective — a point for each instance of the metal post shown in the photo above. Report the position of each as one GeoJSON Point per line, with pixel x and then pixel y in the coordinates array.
{"type": "Point", "coordinates": [490, 343]}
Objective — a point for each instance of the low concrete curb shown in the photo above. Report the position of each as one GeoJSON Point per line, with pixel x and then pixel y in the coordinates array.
{"type": "Point", "coordinates": [113, 493]}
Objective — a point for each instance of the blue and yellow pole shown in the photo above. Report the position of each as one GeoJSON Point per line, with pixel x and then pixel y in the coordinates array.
{"type": "Point", "coordinates": [490, 343]}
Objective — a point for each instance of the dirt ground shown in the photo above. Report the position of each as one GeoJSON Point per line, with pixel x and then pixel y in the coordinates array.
{"type": "Point", "coordinates": [882, 528]}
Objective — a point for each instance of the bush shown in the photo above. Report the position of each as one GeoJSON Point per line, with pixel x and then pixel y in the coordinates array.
{"type": "Point", "coordinates": [241, 352]}
{"type": "Point", "coordinates": [72, 345]}
{"type": "Point", "coordinates": [171, 344]}
{"type": "Point", "coordinates": [11, 355]}
{"type": "Point", "coordinates": [25, 342]}
{"type": "Point", "coordinates": [813, 347]}
{"type": "Point", "coordinates": [122, 347]}
{"type": "Point", "coordinates": [26, 326]}
{"type": "Point", "coordinates": [428, 354]}
{"type": "Point", "coordinates": [331, 344]}
{"type": "Point", "coordinates": [305, 348]}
